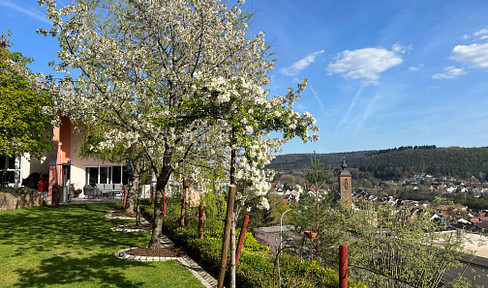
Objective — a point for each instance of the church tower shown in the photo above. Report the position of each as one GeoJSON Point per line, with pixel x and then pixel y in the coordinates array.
{"type": "Point", "coordinates": [345, 184]}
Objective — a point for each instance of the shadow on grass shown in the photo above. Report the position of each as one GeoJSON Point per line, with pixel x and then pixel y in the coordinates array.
{"type": "Point", "coordinates": [41, 229]}
{"type": "Point", "coordinates": [67, 245]}
{"type": "Point", "coordinates": [100, 270]}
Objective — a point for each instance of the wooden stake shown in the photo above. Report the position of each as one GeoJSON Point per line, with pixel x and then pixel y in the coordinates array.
{"type": "Point", "coordinates": [182, 222]}
{"type": "Point", "coordinates": [343, 266]}
{"type": "Point", "coordinates": [125, 196]}
{"type": "Point", "coordinates": [200, 221]}
{"type": "Point", "coordinates": [242, 235]}
{"type": "Point", "coordinates": [186, 186]}
{"type": "Point", "coordinates": [164, 204]}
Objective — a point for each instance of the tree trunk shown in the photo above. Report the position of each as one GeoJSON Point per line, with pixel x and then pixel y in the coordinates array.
{"type": "Point", "coordinates": [129, 208]}
{"type": "Point", "coordinates": [140, 189]}
{"type": "Point", "coordinates": [162, 180]}
{"type": "Point", "coordinates": [131, 194]}
{"type": "Point", "coordinates": [138, 210]}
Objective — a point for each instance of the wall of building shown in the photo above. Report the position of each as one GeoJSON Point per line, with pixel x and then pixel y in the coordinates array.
{"type": "Point", "coordinates": [24, 168]}
{"type": "Point", "coordinates": [78, 163]}
{"type": "Point", "coordinates": [39, 166]}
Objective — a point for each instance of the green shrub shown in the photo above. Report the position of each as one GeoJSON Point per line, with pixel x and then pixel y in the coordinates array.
{"type": "Point", "coordinates": [207, 252]}
{"type": "Point", "coordinates": [119, 206]}
{"type": "Point", "coordinates": [296, 271]}
{"type": "Point", "coordinates": [256, 266]}
{"type": "Point", "coordinates": [213, 227]}
{"type": "Point", "coordinates": [246, 277]}
{"type": "Point", "coordinates": [256, 270]}
{"type": "Point", "coordinates": [250, 243]}
{"type": "Point", "coordinates": [147, 212]}
{"type": "Point", "coordinates": [145, 201]}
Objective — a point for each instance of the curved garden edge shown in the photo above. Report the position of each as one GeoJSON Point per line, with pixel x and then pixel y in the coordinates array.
{"type": "Point", "coordinates": [122, 254]}
{"type": "Point", "coordinates": [195, 269]}
{"type": "Point", "coordinates": [123, 228]}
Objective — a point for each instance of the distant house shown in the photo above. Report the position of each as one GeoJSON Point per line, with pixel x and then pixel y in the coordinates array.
{"type": "Point", "coordinates": [270, 236]}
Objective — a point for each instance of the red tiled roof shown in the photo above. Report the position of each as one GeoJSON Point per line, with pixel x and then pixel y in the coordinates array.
{"type": "Point", "coordinates": [474, 220]}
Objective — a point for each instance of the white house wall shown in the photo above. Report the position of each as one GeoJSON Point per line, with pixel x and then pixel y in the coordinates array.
{"type": "Point", "coordinates": [78, 164]}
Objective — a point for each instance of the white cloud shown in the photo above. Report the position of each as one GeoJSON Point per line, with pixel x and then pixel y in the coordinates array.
{"type": "Point", "coordinates": [366, 63]}
{"type": "Point", "coordinates": [301, 64]}
{"type": "Point", "coordinates": [450, 72]}
{"type": "Point", "coordinates": [25, 10]}
{"type": "Point", "coordinates": [316, 96]}
{"type": "Point", "coordinates": [415, 68]}
{"type": "Point", "coordinates": [475, 54]}
{"type": "Point", "coordinates": [480, 32]}
{"type": "Point", "coordinates": [400, 48]}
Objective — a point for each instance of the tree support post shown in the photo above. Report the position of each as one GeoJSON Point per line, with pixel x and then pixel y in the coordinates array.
{"type": "Point", "coordinates": [164, 204]}
{"type": "Point", "coordinates": [125, 196]}
{"type": "Point", "coordinates": [225, 242]}
{"type": "Point", "coordinates": [343, 266]}
{"type": "Point", "coordinates": [182, 222]}
{"type": "Point", "coordinates": [242, 235]}
{"type": "Point", "coordinates": [186, 186]}
{"type": "Point", "coordinates": [200, 221]}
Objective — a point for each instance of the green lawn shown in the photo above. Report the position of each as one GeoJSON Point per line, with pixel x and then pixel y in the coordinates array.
{"type": "Point", "coordinates": [73, 246]}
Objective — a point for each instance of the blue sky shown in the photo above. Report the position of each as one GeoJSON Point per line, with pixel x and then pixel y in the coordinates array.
{"type": "Point", "coordinates": [381, 74]}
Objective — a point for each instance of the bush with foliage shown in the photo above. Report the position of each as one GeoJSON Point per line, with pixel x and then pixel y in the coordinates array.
{"type": "Point", "coordinates": [256, 266]}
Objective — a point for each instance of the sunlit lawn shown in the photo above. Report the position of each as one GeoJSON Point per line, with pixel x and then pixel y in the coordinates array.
{"type": "Point", "coordinates": [73, 246]}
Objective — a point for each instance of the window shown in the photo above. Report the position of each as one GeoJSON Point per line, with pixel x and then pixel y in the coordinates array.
{"type": "Point", "coordinates": [117, 174]}
{"type": "Point", "coordinates": [91, 176]}
{"type": "Point", "coordinates": [103, 175]}
{"type": "Point", "coordinates": [9, 171]}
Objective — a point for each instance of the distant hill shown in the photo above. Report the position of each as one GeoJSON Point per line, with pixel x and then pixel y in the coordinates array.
{"type": "Point", "coordinates": [398, 163]}
{"type": "Point", "coordinates": [299, 161]}
{"type": "Point", "coordinates": [452, 161]}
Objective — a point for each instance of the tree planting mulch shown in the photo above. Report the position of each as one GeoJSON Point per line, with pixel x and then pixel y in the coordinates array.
{"type": "Point", "coordinates": [122, 213]}
{"type": "Point", "coordinates": [161, 252]}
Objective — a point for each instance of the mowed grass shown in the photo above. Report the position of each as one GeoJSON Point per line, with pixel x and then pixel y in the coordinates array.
{"type": "Point", "coordinates": [73, 246]}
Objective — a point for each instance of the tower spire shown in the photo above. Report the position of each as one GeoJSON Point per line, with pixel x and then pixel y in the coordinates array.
{"type": "Point", "coordinates": [345, 183]}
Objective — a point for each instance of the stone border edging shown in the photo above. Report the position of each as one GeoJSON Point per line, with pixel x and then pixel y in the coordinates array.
{"type": "Point", "coordinates": [110, 216]}
{"type": "Point", "coordinates": [198, 272]}
{"type": "Point", "coordinates": [122, 254]}
{"type": "Point", "coordinates": [128, 230]}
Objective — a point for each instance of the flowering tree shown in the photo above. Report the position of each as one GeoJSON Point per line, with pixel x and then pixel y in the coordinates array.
{"type": "Point", "coordinates": [245, 116]}
{"type": "Point", "coordinates": [177, 80]}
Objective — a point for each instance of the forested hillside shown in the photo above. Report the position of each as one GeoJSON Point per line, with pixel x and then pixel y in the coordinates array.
{"type": "Point", "coordinates": [300, 161]}
{"type": "Point", "coordinates": [400, 163]}
{"type": "Point", "coordinates": [452, 161]}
